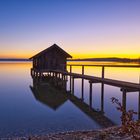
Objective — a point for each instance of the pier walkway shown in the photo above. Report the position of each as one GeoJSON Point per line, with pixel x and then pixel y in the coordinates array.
{"type": "Point", "coordinates": [63, 75]}
{"type": "Point", "coordinates": [128, 86]}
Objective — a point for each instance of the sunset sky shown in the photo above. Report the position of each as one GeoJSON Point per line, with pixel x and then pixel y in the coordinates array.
{"type": "Point", "coordinates": [84, 28]}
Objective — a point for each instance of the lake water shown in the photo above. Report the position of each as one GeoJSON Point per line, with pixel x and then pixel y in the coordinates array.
{"type": "Point", "coordinates": [23, 113]}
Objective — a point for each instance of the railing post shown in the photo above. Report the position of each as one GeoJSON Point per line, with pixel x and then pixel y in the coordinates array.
{"type": "Point", "coordinates": [82, 69]}
{"type": "Point", "coordinates": [103, 72]}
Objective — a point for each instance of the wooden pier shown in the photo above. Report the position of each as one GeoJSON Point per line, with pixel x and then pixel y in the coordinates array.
{"type": "Point", "coordinates": [124, 85]}
{"type": "Point", "coordinates": [63, 75]}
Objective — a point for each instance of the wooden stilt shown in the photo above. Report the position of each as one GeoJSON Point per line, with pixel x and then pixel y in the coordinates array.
{"type": "Point", "coordinates": [70, 83]}
{"type": "Point", "coordinates": [90, 94]}
{"type": "Point", "coordinates": [70, 77]}
{"type": "Point", "coordinates": [139, 105]}
{"type": "Point", "coordinates": [73, 85]}
{"type": "Point", "coordinates": [124, 99]}
{"type": "Point", "coordinates": [123, 102]}
{"type": "Point", "coordinates": [82, 89]}
{"type": "Point", "coordinates": [102, 97]}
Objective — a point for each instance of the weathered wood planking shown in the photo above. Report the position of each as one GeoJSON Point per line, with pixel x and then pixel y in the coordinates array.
{"type": "Point", "coordinates": [117, 83]}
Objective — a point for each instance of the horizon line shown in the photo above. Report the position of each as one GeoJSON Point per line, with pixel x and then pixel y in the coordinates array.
{"type": "Point", "coordinates": [78, 58]}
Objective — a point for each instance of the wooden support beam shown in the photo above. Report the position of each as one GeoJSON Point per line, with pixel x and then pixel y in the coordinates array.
{"type": "Point", "coordinates": [70, 83]}
{"type": "Point", "coordinates": [62, 76]}
{"type": "Point", "coordinates": [82, 89]}
{"type": "Point", "coordinates": [129, 89]}
{"type": "Point", "coordinates": [73, 85]}
{"type": "Point", "coordinates": [59, 75]}
{"type": "Point", "coordinates": [94, 81]}
{"type": "Point", "coordinates": [90, 94]}
{"type": "Point", "coordinates": [103, 72]}
{"type": "Point", "coordinates": [70, 69]}
{"type": "Point", "coordinates": [66, 77]}
{"type": "Point", "coordinates": [102, 97]}
{"type": "Point", "coordinates": [112, 82]}
{"type": "Point", "coordinates": [53, 73]}
{"type": "Point", "coordinates": [83, 70]}
{"type": "Point", "coordinates": [70, 78]}
{"type": "Point", "coordinates": [124, 99]}
{"type": "Point", "coordinates": [139, 105]}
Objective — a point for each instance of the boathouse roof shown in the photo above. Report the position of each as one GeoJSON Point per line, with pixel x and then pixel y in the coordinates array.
{"type": "Point", "coordinates": [52, 48]}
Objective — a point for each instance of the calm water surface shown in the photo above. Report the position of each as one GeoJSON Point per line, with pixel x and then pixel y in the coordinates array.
{"type": "Point", "coordinates": [22, 114]}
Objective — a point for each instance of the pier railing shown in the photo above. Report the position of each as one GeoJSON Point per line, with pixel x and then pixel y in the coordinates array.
{"type": "Point", "coordinates": [102, 67]}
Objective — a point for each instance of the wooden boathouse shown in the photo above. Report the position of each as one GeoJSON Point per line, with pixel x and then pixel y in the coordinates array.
{"type": "Point", "coordinates": [52, 58]}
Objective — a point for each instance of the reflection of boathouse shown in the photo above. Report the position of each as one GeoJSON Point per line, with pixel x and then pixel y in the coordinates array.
{"type": "Point", "coordinates": [47, 94]}
{"type": "Point", "coordinates": [53, 58]}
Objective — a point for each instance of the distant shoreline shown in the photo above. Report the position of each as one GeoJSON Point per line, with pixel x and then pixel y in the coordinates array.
{"type": "Point", "coordinates": [123, 60]}
{"type": "Point", "coordinates": [113, 59]}
{"type": "Point", "coordinates": [14, 59]}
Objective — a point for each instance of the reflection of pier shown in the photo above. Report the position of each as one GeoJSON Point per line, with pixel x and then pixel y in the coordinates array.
{"type": "Point", "coordinates": [63, 75]}
{"type": "Point", "coordinates": [53, 95]}
{"type": "Point", "coordinates": [124, 86]}
{"type": "Point", "coordinates": [88, 110]}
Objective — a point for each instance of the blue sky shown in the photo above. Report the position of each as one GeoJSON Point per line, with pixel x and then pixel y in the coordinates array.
{"type": "Point", "coordinates": [85, 28]}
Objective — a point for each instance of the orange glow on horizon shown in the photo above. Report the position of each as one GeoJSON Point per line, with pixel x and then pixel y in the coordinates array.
{"type": "Point", "coordinates": [79, 56]}
{"type": "Point", "coordinates": [74, 55]}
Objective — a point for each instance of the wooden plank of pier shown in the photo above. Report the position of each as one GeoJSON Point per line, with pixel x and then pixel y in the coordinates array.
{"type": "Point", "coordinates": [123, 84]}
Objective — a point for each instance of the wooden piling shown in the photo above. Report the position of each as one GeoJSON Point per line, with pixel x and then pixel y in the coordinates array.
{"type": "Point", "coordinates": [90, 94]}
{"type": "Point", "coordinates": [83, 70]}
{"type": "Point", "coordinates": [139, 105]}
{"type": "Point", "coordinates": [102, 97]}
{"type": "Point", "coordinates": [73, 85]}
{"type": "Point", "coordinates": [70, 77]}
{"type": "Point", "coordinates": [103, 72]}
{"type": "Point", "coordinates": [82, 89]}
{"type": "Point", "coordinates": [124, 99]}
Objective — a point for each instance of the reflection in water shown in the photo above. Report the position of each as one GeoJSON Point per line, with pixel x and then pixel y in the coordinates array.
{"type": "Point", "coordinates": [22, 115]}
{"type": "Point", "coordinates": [46, 94]}
{"type": "Point", "coordinates": [52, 92]}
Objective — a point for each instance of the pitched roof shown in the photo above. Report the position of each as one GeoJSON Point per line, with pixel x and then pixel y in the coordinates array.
{"type": "Point", "coordinates": [54, 46]}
